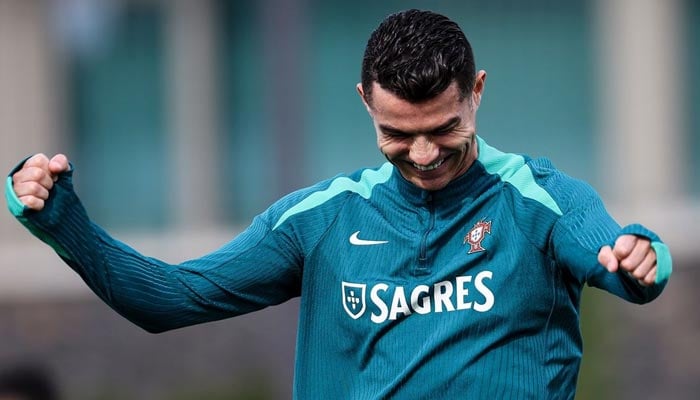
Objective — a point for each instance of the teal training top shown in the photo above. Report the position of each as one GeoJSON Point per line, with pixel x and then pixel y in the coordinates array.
{"type": "Point", "coordinates": [468, 292]}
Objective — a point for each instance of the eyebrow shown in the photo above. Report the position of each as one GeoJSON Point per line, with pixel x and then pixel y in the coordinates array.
{"type": "Point", "coordinates": [449, 124]}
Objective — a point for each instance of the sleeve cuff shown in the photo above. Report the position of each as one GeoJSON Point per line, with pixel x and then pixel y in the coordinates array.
{"type": "Point", "coordinates": [13, 203]}
{"type": "Point", "coordinates": [640, 230]}
{"type": "Point", "coordinates": [664, 263]}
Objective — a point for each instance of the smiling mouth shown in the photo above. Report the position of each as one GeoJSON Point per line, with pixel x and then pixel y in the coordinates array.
{"type": "Point", "coordinates": [430, 167]}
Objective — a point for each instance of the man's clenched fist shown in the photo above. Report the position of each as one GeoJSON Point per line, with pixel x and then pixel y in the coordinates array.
{"type": "Point", "coordinates": [632, 254]}
{"type": "Point", "coordinates": [37, 176]}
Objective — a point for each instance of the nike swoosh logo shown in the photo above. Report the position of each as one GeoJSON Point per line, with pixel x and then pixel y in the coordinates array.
{"type": "Point", "coordinates": [361, 242]}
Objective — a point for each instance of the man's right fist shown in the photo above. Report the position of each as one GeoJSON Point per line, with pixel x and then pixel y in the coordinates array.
{"type": "Point", "coordinates": [37, 176]}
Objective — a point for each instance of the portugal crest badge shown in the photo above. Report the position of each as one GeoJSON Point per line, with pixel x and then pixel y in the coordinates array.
{"type": "Point", "coordinates": [354, 299]}
{"type": "Point", "coordinates": [476, 235]}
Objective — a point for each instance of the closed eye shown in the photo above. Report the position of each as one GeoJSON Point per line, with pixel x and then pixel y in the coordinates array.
{"type": "Point", "coordinates": [395, 133]}
{"type": "Point", "coordinates": [444, 129]}
{"type": "Point", "coordinates": [442, 132]}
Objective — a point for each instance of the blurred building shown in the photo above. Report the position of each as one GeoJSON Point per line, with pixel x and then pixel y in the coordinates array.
{"type": "Point", "coordinates": [185, 118]}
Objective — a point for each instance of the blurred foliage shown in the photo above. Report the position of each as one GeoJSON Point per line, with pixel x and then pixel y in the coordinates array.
{"type": "Point", "coordinates": [256, 386]}
{"type": "Point", "coordinates": [597, 376]}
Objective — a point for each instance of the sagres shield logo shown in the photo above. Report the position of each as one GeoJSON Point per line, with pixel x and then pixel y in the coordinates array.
{"type": "Point", "coordinates": [354, 299]}
{"type": "Point", "coordinates": [476, 235]}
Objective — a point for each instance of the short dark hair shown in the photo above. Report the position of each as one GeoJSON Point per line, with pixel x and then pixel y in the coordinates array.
{"type": "Point", "coordinates": [416, 55]}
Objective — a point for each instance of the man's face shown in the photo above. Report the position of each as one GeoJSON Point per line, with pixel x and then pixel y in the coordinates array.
{"type": "Point", "coordinates": [432, 142]}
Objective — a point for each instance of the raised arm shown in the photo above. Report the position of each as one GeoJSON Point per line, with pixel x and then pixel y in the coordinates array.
{"type": "Point", "coordinates": [630, 262]}
{"type": "Point", "coordinates": [259, 267]}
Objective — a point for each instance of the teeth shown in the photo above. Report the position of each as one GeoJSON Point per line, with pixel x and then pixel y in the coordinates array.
{"type": "Point", "coordinates": [429, 167]}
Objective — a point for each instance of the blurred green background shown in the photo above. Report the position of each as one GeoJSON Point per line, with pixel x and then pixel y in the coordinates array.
{"type": "Point", "coordinates": [184, 119]}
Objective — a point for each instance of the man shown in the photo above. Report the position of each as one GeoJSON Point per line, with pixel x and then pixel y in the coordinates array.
{"type": "Point", "coordinates": [452, 271]}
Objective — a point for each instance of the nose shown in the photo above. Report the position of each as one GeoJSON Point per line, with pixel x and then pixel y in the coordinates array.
{"type": "Point", "coordinates": [423, 150]}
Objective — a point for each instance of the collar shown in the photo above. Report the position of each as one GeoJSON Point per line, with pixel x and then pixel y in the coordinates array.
{"type": "Point", "coordinates": [471, 184]}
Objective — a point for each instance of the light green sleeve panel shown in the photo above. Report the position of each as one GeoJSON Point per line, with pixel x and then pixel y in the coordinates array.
{"type": "Point", "coordinates": [512, 169]}
{"type": "Point", "coordinates": [17, 209]}
{"type": "Point", "coordinates": [664, 263]}
{"type": "Point", "coordinates": [363, 187]}
{"type": "Point", "coordinates": [13, 203]}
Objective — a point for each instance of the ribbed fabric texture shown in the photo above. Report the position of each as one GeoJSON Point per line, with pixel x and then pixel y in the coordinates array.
{"type": "Point", "coordinates": [470, 292]}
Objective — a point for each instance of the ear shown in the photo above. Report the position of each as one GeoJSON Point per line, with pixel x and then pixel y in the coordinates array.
{"type": "Point", "coordinates": [479, 84]}
{"type": "Point", "coordinates": [361, 92]}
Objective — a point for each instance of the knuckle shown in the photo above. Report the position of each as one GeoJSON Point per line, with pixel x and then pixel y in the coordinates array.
{"type": "Point", "coordinates": [620, 250]}
{"type": "Point", "coordinates": [38, 190]}
{"type": "Point", "coordinates": [32, 202]}
{"type": "Point", "coordinates": [37, 159]}
{"type": "Point", "coordinates": [639, 273]}
{"type": "Point", "coordinates": [626, 264]}
{"type": "Point", "coordinates": [20, 189]}
{"type": "Point", "coordinates": [27, 187]}
{"type": "Point", "coordinates": [623, 241]}
{"type": "Point", "coordinates": [34, 174]}
{"type": "Point", "coordinates": [19, 176]}
{"type": "Point", "coordinates": [651, 257]}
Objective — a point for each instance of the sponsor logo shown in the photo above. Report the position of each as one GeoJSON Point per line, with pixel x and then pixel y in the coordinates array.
{"type": "Point", "coordinates": [355, 240]}
{"type": "Point", "coordinates": [392, 302]}
{"type": "Point", "coordinates": [476, 235]}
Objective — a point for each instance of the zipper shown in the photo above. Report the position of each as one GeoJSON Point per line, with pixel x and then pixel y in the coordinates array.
{"type": "Point", "coordinates": [423, 255]}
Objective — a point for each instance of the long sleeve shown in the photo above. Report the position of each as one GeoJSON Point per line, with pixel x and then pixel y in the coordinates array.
{"type": "Point", "coordinates": [259, 267]}
{"type": "Point", "coordinates": [584, 229]}
{"type": "Point", "coordinates": [565, 219]}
